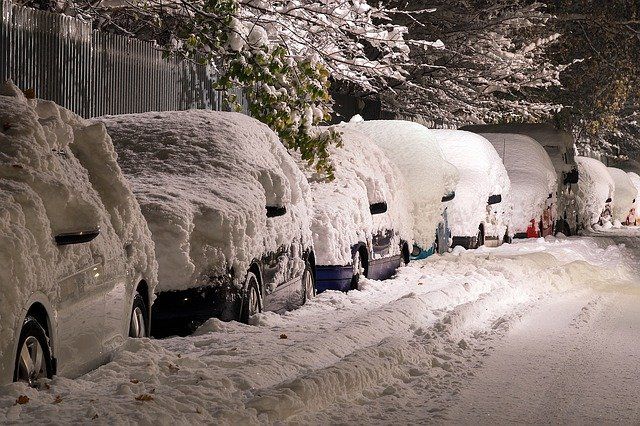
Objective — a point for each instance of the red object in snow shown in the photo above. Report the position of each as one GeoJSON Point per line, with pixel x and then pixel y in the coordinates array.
{"type": "Point", "coordinates": [532, 230]}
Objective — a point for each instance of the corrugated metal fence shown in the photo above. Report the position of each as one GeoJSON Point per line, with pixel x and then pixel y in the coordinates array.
{"type": "Point", "coordinates": [94, 73]}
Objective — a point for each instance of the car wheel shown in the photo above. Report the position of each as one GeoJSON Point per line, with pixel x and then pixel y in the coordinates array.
{"type": "Point", "coordinates": [33, 359]}
{"type": "Point", "coordinates": [252, 303]}
{"type": "Point", "coordinates": [308, 284]}
{"type": "Point", "coordinates": [139, 324]}
{"type": "Point", "coordinates": [358, 270]}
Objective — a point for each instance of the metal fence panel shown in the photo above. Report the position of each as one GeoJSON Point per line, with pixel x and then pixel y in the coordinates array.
{"type": "Point", "coordinates": [94, 73]}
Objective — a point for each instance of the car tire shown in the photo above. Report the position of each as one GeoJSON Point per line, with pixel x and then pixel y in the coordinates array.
{"type": "Point", "coordinates": [359, 270]}
{"type": "Point", "coordinates": [33, 358]}
{"type": "Point", "coordinates": [308, 284]}
{"type": "Point", "coordinates": [139, 321]}
{"type": "Point", "coordinates": [252, 302]}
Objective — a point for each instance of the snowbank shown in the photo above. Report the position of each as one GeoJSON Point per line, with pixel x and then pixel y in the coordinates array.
{"type": "Point", "coordinates": [414, 150]}
{"type": "Point", "coordinates": [203, 180]}
{"type": "Point", "coordinates": [482, 174]}
{"type": "Point", "coordinates": [624, 194]}
{"type": "Point", "coordinates": [594, 188]}
{"type": "Point", "coordinates": [531, 174]}
{"type": "Point", "coordinates": [341, 216]}
{"type": "Point", "coordinates": [58, 174]}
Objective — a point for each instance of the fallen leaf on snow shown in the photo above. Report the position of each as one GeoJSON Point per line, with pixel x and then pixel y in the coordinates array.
{"type": "Point", "coordinates": [283, 336]}
{"type": "Point", "coordinates": [22, 399]}
{"type": "Point", "coordinates": [144, 397]}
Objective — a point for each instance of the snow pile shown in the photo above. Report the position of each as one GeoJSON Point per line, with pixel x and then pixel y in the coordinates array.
{"type": "Point", "coordinates": [341, 216]}
{"type": "Point", "coordinates": [408, 342]}
{"type": "Point", "coordinates": [482, 174]}
{"type": "Point", "coordinates": [624, 194]}
{"type": "Point", "coordinates": [203, 180]}
{"type": "Point", "coordinates": [531, 174]}
{"type": "Point", "coordinates": [414, 150]}
{"type": "Point", "coordinates": [58, 174]}
{"type": "Point", "coordinates": [594, 188]}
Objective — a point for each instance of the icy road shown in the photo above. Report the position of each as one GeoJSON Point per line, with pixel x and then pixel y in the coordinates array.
{"type": "Point", "coordinates": [537, 332]}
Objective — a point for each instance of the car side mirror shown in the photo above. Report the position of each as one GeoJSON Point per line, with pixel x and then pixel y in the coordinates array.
{"type": "Point", "coordinates": [494, 199]}
{"type": "Point", "coordinates": [450, 196]}
{"type": "Point", "coordinates": [275, 211]}
{"type": "Point", "coordinates": [378, 208]}
{"type": "Point", "coordinates": [76, 237]}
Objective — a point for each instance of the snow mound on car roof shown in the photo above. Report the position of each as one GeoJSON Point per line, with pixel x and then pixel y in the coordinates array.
{"type": "Point", "coordinates": [531, 174]}
{"type": "Point", "coordinates": [341, 207]}
{"type": "Point", "coordinates": [414, 150]}
{"type": "Point", "coordinates": [594, 188]}
{"type": "Point", "coordinates": [203, 180]}
{"type": "Point", "coordinates": [58, 174]}
{"type": "Point", "coordinates": [482, 174]}
{"type": "Point", "coordinates": [624, 193]}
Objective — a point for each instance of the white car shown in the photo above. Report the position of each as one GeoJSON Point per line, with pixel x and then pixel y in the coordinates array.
{"type": "Point", "coordinates": [532, 197]}
{"type": "Point", "coordinates": [595, 192]}
{"type": "Point", "coordinates": [476, 214]}
{"type": "Point", "coordinates": [77, 264]}
{"type": "Point", "coordinates": [633, 217]}
{"type": "Point", "coordinates": [624, 194]}
{"type": "Point", "coordinates": [430, 178]}
{"type": "Point", "coordinates": [229, 211]}
{"type": "Point", "coordinates": [362, 223]}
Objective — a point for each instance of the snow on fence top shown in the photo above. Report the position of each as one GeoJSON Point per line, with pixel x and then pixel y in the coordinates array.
{"type": "Point", "coordinates": [414, 150]}
{"type": "Point", "coordinates": [482, 174]}
{"type": "Point", "coordinates": [594, 188]}
{"type": "Point", "coordinates": [531, 173]}
{"type": "Point", "coordinates": [624, 193]}
{"type": "Point", "coordinates": [58, 174]}
{"type": "Point", "coordinates": [203, 180]}
{"type": "Point", "coordinates": [342, 217]}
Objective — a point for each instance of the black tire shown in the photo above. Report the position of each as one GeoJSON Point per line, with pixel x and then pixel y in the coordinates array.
{"type": "Point", "coordinates": [32, 335]}
{"type": "Point", "coordinates": [252, 301]}
{"type": "Point", "coordinates": [355, 279]}
{"type": "Point", "coordinates": [308, 284]}
{"type": "Point", "coordinates": [139, 320]}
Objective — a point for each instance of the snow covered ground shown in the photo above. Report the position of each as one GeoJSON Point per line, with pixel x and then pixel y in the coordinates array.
{"type": "Point", "coordinates": [465, 337]}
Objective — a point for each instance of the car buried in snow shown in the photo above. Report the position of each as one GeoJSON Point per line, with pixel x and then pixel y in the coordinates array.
{"type": "Point", "coordinates": [362, 225]}
{"type": "Point", "coordinates": [431, 180]}
{"type": "Point", "coordinates": [624, 195]}
{"type": "Point", "coordinates": [531, 199]}
{"type": "Point", "coordinates": [633, 219]}
{"type": "Point", "coordinates": [229, 212]}
{"type": "Point", "coordinates": [476, 214]}
{"type": "Point", "coordinates": [77, 263]}
{"type": "Point", "coordinates": [595, 193]}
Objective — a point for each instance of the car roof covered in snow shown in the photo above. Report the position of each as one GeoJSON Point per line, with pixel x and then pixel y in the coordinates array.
{"type": "Point", "coordinates": [531, 173]}
{"type": "Point", "coordinates": [414, 150]}
{"type": "Point", "coordinates": [624, 193]}
{"type": "Point", "coordinates": [204, 179]}
{"type": "Point", "coordinates": [58, 174]}
{"type": "Point", "coordinates": [342, 217]}
{"type": "Point", "coordinates": [482, 174]}
{"type": "Point", "coordinates": [594, 188]}
{"type": "Point", "coordinates": [559, 144]}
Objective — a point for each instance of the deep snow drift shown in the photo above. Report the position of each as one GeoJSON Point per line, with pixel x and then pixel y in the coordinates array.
{"type": "Point", "coordinates": [482, 174]}
{"type": "Point", "coordinates": [414, 150]}
{"type": "Point", "coordinates": [58, 174]}
{"type": "Point", "coordinates": [397, 350]}
{"type": "Point", "coordinates": [203, 180]}
{"type": "Point", "coordinates": [595, 187]}
{"type": "Point", "coordinates": [341, 215]}
{"type": "Point", "coordinates": [532, 177]}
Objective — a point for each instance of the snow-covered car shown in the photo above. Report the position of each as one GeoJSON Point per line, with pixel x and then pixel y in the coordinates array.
{"type": "Point", "coordinates": [624, 195]}
{"type": "Point", "coordinates": [633, 218]}
{"type": "Point", "coordinates": [476, 214]}
{"type": "Point", "coordinates": [531, 199]}
{"type": "Point", "coordinates": [431, 180]}
{"type": "Point", "coordinates": [77, 263]}
{"type": "Point", "coordinates": [595, 192]}
{"type": "Point", "coordinates": [229, 212]}
{"type": "Point", "coordinates": [560, 146]}
{"type": "Point", "coordinates": [362, 224]}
